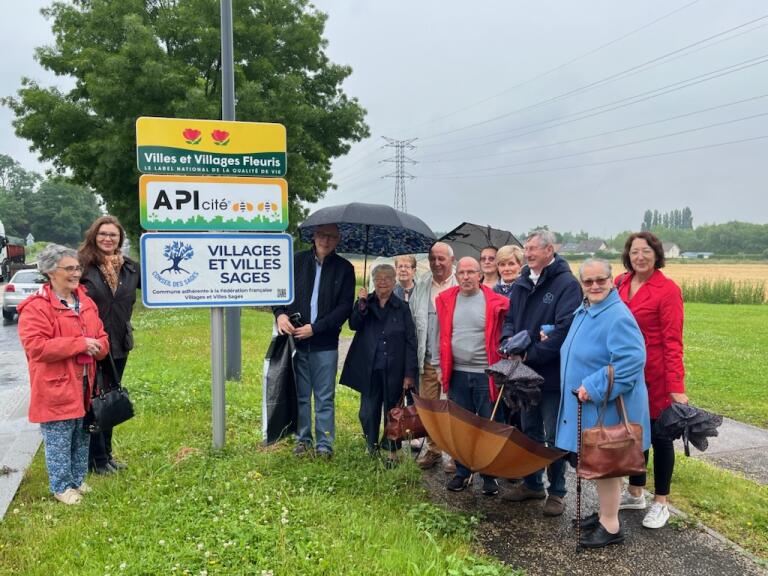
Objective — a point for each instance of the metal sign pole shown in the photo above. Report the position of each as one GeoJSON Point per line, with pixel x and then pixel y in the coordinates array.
{"type": "Point", "coordinates": [232, 315]}
{"type": "Point", "coordinates": [218, 394]}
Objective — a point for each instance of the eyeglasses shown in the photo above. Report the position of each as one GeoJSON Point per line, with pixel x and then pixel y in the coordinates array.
{"type": "Point", "coordinates": [110, 235]}
{"type": "Point", "coordinates": [487, 258]}
{"type": "Point", "coordinates": [324, 236]}
{"type": "Point", "coordinates": [70, 269]}
{"type": "Point", "coordinates": [599, 281]}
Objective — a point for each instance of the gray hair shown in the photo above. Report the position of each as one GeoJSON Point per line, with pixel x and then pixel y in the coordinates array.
{"type": "Point", "coordinates": [546, 237]}
{"type": "Point", "coordinates": [606, 265]}
{"type": "Point", "coordinates": [51, 255]}
{"type": "Point", "coordinates": [448, 248]}
{"type": "Point", "coordinates": [384, 269]}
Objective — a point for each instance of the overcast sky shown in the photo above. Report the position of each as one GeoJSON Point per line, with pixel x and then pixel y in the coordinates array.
{"type": "Point", "coordinates": [530, 113]}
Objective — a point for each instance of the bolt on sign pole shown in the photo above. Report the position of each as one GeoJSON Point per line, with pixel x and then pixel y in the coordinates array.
{"type": "Point", "coordinates": [233, 337]}
{"type": "Point", "coordinates": [218, 396]}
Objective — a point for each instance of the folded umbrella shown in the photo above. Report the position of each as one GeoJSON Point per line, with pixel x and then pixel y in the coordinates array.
{"type": "Point", "coordinates": [520, 384]}
{"type": "Point", "coordinates": [692, 424]}
{"type": "Point", "coordinates": [482, 445]}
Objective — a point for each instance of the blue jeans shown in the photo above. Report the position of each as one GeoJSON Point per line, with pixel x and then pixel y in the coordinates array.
{"type": "Point", "coordinates": [540, 425]}
{"type": "Point", "coordinates": [66, 453]}
{"type": "Point", "coordinates": [315, 372]}
{"type": "Point", "coordinates": [470, 391]}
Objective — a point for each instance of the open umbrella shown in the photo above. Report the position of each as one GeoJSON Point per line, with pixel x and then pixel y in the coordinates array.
{"type": "Point", "coordinates": [469, 239]}
{"type": "Point", "coordinates": [482, 445]}
{"type": "Point", "coordinates": [372, 229]}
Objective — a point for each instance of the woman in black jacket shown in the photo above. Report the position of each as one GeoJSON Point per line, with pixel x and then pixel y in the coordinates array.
{"type": "Point", "coordinates": [381, 362]}
{"type": "Point", "coordinates": [111, 280]}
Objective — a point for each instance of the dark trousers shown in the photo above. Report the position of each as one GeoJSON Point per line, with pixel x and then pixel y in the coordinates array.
{"type": "Point", "coordinates": [379, 399]}
{"type": "Point", "coordinates": [663, 464]}
{"type": "Point", "coordinates": [100, 448]}
{"type": "Point", "coordinates": [470, 391]}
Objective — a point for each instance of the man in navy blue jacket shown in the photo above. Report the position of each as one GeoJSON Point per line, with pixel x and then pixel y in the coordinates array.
{"type": "Point", "coordinates": [324, 293]}
{"type": "Point", "coordinates": [546, 292]}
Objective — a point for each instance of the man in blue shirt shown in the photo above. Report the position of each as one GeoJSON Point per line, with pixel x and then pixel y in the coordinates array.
{"type": "Point", "coordinates": [324, 293]}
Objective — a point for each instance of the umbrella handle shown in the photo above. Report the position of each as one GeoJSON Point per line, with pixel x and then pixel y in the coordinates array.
{"type": "Point", "coordinates": [501, 391]}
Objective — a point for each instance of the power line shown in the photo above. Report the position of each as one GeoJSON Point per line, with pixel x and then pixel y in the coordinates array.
{"type": "Point", "coordinates": [623, 102]}
{"type": "Point", "coordinates": [610, 78]}
{"type": "Point", "coordinates": [599, 134]}
{"type": "Point", "coordinates": [559, 66]}
{"type": "Point", "coordinates": [601, 163]}
{"type": "Point", "coordinates": [613, 146]}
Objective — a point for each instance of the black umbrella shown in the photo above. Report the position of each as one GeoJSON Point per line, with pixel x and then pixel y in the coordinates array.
{"type": "Point", "coordinates": [372, 229]}
{"type": "Point", "coordinates": [469, 239]}
{"type": "Point", "coordinates": [691, 423]}
{"type": "Point", "coordinates": [520, 384]}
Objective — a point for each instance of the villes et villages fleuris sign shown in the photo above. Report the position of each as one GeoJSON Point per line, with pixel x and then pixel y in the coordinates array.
{"type": "Point", "coordinates": [210, 147]}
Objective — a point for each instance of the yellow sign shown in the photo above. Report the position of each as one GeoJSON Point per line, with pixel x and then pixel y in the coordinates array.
{"type": "Point", "coordinates": [190, 146]}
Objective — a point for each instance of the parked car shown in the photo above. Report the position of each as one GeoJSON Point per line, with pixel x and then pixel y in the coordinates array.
{"type": "Point", "coordinates": [23, 283]}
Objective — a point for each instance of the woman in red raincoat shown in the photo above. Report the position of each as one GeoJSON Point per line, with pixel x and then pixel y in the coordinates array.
{"type": "Point", "coordinates": [657, 304]}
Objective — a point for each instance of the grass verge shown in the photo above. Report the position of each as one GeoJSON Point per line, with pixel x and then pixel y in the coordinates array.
{"type": "Point", "coordinates": [182, 508]}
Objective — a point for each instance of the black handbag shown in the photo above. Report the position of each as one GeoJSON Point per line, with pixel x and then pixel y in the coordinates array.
{"type": "Point", "coordinates": [111, 405]}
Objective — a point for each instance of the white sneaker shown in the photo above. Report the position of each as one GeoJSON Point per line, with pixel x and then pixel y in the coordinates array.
{"type": "Point", "coordinates": [84, 488]}
{"type": "Point", "coordinates": [657, 516]}
{"type": "Point", "coordinates": [69, 496]}
{"type": "Point", "coordinates": [630, 502]}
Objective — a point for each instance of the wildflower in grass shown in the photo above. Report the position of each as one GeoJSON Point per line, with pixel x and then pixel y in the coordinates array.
{"type": "Point", "coordinates": [123, 565]}
{"type": "Point", "coordinates": [15, 510]}
{"type": "Point", "coordinates": [200, 545]}
{"type": "Point", "coordinates": [161, 542]}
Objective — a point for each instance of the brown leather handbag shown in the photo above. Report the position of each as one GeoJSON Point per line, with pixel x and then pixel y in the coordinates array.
{"type": "Point", "coordinates": [611, 451]}
{"type": "Point", "coordinates": [403, 422]}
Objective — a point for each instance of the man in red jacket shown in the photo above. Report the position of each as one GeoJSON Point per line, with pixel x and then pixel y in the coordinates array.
{"type": "Point", "coordinates": [470, 317]}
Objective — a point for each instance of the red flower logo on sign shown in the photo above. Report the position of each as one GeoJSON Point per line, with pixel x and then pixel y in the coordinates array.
{"type": "Point", "coordinates": [220, 137]}
{"type": "Point", "coordinates": [191, 136]}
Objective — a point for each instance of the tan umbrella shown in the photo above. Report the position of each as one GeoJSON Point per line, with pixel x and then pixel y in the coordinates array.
{"type": "Point", "coordinates": [482, 445]}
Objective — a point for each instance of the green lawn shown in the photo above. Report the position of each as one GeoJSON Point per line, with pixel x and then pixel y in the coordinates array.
{"type": "Point", "coordinates": [725, 359]}
{"type": "Point", "coordinates": [182, 508]}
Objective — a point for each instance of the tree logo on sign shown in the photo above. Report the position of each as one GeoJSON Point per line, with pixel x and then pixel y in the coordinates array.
{"type": "Point", "coordinates": [176, 252]}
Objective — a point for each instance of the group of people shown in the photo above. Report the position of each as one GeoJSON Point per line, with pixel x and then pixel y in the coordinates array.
{"type": "Point", "coordinates": [438, 333]}
{"type": "Point", "coordinates": [67, 329]}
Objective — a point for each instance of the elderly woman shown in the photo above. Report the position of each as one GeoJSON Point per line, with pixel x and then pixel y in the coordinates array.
{"type": "Point", "coordinates": [111, 280]}
{"type": "Point", "coordinates": [488, 266]}
{"type": "Point", "coordinates": [62, 336]}
{"type": "Point", "coordinates": [656, 302]}
{"type": "Point", "coordinates": [603, 332]}
{"type": "Point", "coordinates": [509, 262]}
{"type": "Point", "coordinates": [381, 363]}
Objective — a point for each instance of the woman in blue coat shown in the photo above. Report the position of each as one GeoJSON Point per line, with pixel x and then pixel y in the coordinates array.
{"type": "Point", "coordinates": [603, 332]}
{"type": "Point", "coordinates": [381, 362]}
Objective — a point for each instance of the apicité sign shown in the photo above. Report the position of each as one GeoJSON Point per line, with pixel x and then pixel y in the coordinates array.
{"type": "Point", "coordinates": [213, 203]}
{"type": "Point", "coordinates": [200, 269]}
{"type": "Point", "coordinates": [210, 147]}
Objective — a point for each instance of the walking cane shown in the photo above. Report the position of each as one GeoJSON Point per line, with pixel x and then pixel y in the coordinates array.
{"type": "Point", "coordinates": [578, 478]}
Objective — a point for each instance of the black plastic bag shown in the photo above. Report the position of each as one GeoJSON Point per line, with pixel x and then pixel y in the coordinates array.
{"type": "Point", "coordinates": [279, 404]}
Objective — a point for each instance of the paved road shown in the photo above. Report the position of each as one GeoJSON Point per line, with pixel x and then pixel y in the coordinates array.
{"type": "Point", "coordinates": [19, 439]}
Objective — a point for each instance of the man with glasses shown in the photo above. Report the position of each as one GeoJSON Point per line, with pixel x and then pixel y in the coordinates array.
{"type": "Point", "coordinates": [324, 290]}
{"type": "Point", "coordinates": [546, 293]}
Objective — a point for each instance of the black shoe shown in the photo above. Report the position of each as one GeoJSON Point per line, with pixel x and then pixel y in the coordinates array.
{"type": "Point", "coordinates": [324, 454]}
{"type": "Point", "coordinates": [302, 449]}
{"type": "Point", "coordinates": [457, 484]}
{"type": "Point", "coordinates": [588, 522]}
{"type": "Point", "coordinates": [600, 537]}
{"type": "Point", "coordinates": [105, 470]}
{"type": "Point", "coordinates": [490, 486]}
{"type": "Point", "coordinates": [117, 465]}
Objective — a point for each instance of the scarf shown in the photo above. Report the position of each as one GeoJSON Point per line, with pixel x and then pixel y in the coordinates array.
{"type": "Point", "coordinates": [110, 268]}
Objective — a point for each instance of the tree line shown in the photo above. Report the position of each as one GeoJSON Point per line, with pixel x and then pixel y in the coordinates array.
{"type": "Point", "coordinates": [672, 220]}
{"type": "Point", "coordinates": [52, 209]}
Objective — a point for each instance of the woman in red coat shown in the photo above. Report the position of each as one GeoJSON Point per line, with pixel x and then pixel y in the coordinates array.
{"type": "Point", "coordinates": [657, 304]}
{"type": "Point", "coordinates": [62, 336]}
